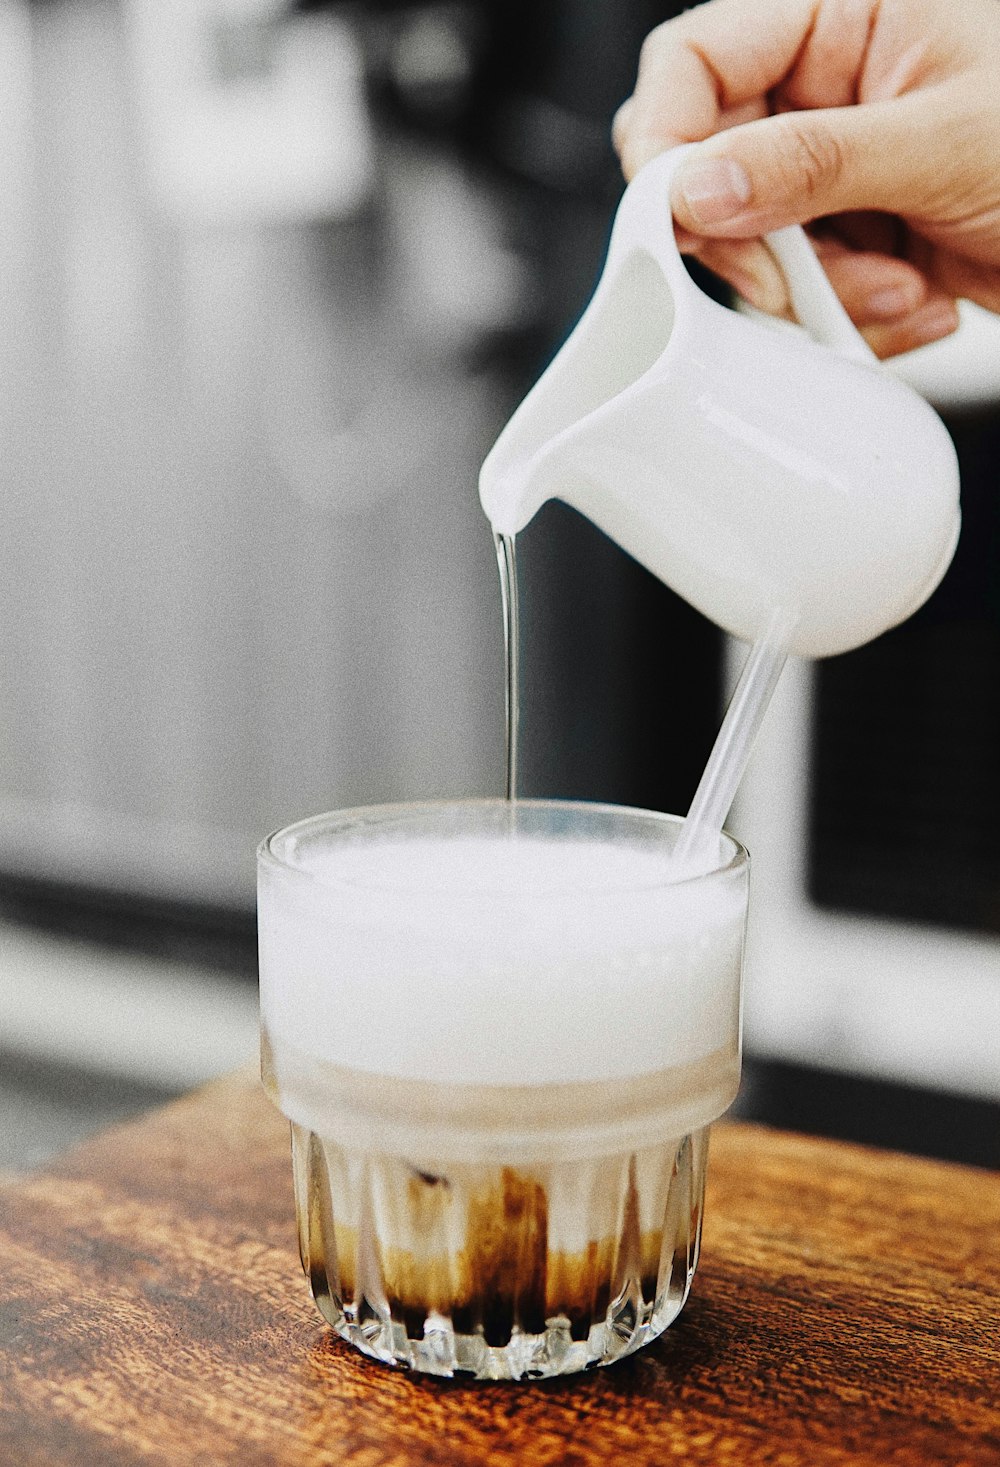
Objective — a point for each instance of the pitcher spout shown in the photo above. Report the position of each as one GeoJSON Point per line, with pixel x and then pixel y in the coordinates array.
{"type": "Point", "coordinates": [626, 330]}
{"type": "Point", "coordinates": [513, 487]}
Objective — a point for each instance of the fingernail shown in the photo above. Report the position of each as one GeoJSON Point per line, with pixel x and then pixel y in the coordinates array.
{"type": "Point", "coordinates": [714, 190]}
{"type": "Point", "coordinates": [892, 301]}
{"type": "Point", "coordinates": [936, 319]}
{"type": "Point", "coordinates": [763, 285]}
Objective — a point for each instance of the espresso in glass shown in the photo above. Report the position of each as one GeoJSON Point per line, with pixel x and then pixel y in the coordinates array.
{"type": "Point", "coordinates": [500, 1031]}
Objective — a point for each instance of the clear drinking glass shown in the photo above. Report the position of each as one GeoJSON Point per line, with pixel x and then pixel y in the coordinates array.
{"type": "Point", "coordinates": [500, 1032]}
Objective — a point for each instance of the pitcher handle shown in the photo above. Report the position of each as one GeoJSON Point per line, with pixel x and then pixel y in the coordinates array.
{"type": "Point", "coordinates": [639, 224]}
{"type": "Point", "coordinates": [816, 304]}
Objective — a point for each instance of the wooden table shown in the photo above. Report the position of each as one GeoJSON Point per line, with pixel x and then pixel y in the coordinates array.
{"type": "Point", "coordinates": [152, 1310]}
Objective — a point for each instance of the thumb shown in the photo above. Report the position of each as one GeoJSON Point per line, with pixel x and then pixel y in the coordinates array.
{"type": "Point", "coordinates": [799, 166]}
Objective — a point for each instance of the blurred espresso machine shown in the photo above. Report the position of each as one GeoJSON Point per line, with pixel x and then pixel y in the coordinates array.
{"type": "Point", "coordinates": [273, 278]}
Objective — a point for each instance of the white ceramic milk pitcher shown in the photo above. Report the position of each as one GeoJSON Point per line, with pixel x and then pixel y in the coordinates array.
{"type": "Point", "coordinates": [748, 466]}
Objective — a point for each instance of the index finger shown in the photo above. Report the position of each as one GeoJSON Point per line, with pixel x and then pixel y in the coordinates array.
{"type": "Point", "coordinates": [713, 67]}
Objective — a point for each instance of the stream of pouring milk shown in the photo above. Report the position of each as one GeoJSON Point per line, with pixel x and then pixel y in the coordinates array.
{"type": "Point", "coordinates": [507, 566]}
{"type": "Point", "coordinates": [729, 756]}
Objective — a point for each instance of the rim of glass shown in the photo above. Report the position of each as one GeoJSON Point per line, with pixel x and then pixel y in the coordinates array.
{"type": "Point", "coordinates": [371, 814]}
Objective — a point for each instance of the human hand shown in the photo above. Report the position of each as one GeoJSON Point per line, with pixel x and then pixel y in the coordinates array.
{"type": "Point", "coordinates": [876, 122]}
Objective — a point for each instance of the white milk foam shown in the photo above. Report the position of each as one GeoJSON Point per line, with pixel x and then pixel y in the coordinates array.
{"type": "Point", "coordinates": [523, 960]}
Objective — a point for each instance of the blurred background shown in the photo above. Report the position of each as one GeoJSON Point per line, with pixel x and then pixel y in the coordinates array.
{"type": "Point", "coordinates": [272, 278]}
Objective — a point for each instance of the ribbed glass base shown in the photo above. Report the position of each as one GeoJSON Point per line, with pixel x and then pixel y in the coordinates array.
{"type": "Point", "coordinates": [496, 1271]}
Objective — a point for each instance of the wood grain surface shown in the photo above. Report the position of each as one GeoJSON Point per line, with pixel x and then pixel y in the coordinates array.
{"type": "Point", "coordinates": [152, 1310]}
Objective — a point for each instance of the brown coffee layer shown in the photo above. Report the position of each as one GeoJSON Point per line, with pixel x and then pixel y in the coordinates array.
{"type": "Point", "coordinates": [503, 1277]}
